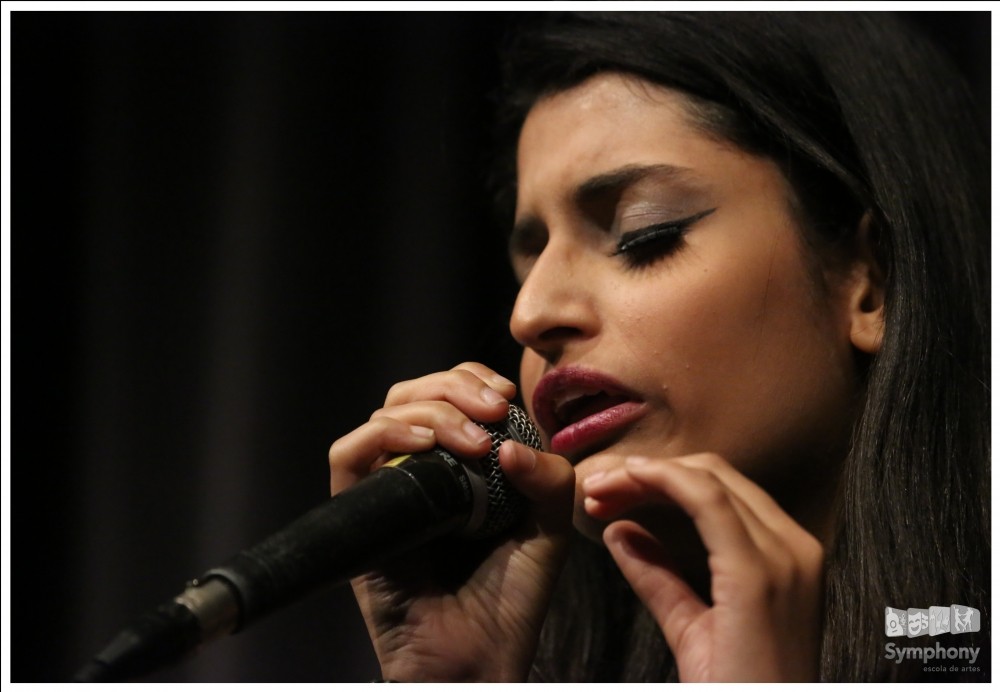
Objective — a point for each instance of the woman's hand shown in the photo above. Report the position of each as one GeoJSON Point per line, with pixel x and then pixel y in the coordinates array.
{"type": "Point", "coordinates": [453, 611]}
{"type": "Point", "coordinates": [763, 621]}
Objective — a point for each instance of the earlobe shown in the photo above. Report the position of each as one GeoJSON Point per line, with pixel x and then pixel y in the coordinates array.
{"type": "Point", "coordinates": [866, 294]}
{"type": "Point", "coordinates": [867, 327]}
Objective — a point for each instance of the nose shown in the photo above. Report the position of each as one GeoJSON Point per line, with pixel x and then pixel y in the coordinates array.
{"type": "Point", "coordinates": [555, 305]}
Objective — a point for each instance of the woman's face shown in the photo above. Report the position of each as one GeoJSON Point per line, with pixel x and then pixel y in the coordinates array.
{"type": "Point", "coordinates": [667, 306]}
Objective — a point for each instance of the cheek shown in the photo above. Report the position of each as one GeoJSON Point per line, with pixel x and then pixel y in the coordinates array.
{"type": "Point", "coordinates": [748, 310]}
{"type": "Point", "coordinates": [691, 323]}
{"type": "Point", "coordinates": [742, 347]}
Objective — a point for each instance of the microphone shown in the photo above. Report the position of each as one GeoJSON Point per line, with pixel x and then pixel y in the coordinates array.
{"type": "Point", "coordinates": [411, 500]}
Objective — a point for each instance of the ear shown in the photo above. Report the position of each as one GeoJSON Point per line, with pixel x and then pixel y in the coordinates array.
{"type": "Point", "coordinates": [865, 291]}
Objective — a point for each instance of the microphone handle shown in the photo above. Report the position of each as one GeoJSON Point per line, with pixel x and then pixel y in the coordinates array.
{"type": "Point", "coordinates": [406, 503]}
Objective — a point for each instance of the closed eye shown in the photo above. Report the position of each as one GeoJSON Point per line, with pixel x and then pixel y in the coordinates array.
{"type": "Point", "coordinates": [645, 245]}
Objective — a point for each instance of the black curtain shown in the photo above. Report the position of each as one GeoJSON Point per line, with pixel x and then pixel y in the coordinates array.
{"type": "Point", "coordinates": [231, 233]}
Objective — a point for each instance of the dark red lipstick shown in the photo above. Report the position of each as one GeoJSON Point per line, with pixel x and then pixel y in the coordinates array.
{"type": "Point", "coordinates": [579, 408]}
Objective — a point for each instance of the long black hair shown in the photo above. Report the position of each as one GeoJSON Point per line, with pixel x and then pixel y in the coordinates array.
{"type": "Point", "coordinates": [865, 117]}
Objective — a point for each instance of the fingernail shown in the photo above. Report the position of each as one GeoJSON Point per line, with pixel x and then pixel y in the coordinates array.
{"type": "Point", "coordinates": [421, 431]}
{"type": "Point", "coordinates": [526, 456]}
{"type": "Point", "coordinates": [592, 480]}
{"type": "Point", "coordinates": [475, 433]}
{"type": "Point", "coordinates": [491, 396]}
{"type": "Point", "coordinates": [502, 381]}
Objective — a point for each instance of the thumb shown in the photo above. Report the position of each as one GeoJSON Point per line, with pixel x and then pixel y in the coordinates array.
{"type": "Point", "coordinates": [547, 480]}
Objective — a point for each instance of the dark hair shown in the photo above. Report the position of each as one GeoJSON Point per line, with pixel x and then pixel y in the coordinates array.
{"type": "Point", "coordinates": [865, 116]}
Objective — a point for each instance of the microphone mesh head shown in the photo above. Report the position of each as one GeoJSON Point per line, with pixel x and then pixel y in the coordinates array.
{"type": "Point", "coordinates": [506, 504]}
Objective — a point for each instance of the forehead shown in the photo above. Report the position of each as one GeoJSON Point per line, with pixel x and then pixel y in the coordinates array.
{"type": "Point", "coordinates": [609, 122]}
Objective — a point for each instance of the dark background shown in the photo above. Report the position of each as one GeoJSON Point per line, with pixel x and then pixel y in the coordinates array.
{"type": "Point", "coordinates": [231, 233]}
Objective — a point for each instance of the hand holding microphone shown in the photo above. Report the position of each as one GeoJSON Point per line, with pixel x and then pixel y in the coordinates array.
{"type": "Point", "coordinates": [455, 480]}
{"type": "Point", "coordinates": [472, 613]}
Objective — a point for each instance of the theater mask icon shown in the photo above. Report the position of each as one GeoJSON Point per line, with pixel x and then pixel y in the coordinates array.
{"type": "Point", "coordinates": [917, 622]}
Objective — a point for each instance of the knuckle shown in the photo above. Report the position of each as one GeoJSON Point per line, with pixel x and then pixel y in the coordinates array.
{"type": "Point", "coordinates": [464, 378]}
{"type": "Point", "coordinates": [467, 366]}
{"type": "Point", "coordinates": [335, 453]}
{"type": "Point", "coordinates": [708, 461]}
{"type": "Point", "coordinates": [396, 391]}
{"type": "Point", "coordinates": [798, 568]}
{"type": "Point", "coordinates": [713, 496]}
{"type": "Point", "coordinates": [813, 557]}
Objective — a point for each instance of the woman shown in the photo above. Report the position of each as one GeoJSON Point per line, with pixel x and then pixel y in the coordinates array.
{"type": "Point", "coordinates": [752, 261]}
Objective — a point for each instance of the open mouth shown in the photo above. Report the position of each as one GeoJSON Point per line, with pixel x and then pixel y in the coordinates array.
{"type": "Point", "coordinates": [580, 408]}
{"type": "Point", "coordinates": [572, 407]}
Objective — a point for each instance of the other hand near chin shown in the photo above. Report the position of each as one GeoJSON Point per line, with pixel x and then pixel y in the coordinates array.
{"type": "Point", "coordinates": [762, 621]}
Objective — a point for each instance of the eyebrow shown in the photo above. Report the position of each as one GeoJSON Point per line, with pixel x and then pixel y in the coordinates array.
{"type": "Point", "coordinates": [625, 176]}
{"type": "Point", "coordinates": [598, 186]}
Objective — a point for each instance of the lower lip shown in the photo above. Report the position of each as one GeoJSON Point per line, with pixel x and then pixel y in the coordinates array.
{"type": "Point", "coordinates": [595, 428]}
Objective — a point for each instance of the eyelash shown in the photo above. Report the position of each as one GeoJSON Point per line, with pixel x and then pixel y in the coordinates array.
{"type": "Point", "coordinates": [644, 246]}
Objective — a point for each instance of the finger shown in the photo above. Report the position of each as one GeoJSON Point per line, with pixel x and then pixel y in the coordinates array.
{"type": "Point", "coordinates": [793, 550]}
{"type": "Point", "coordinates": [454, 430]}
{"type": "Point", "coordinates": [795, 557]}
{"type": "Point", "coordinates": [613, 494]}
{"type": "Point", "coordinates": [490, 376]}
{"type": "Point", "coordinates": [747, 559]}
{"type": "Point", "coordinates": [750, 557]}
{"type": "Point", "coordinates": [546, 480]}
{"type": "Point", "coordinates": [352, 456]}
{"type": "Point", "coordinates": [755, 499]}
{"type": "Point", "coordinates": [706, 500]}
{"type": "Point", "coordinates": [608, 495]}
{"type": "Point", "coordinates": [482, 396]}
{"type": "Point", "coordinates": [646, 565]}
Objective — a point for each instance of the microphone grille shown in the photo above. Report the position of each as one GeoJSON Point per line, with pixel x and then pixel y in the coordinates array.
{"type": "Point", "coordinates": [505, 504]}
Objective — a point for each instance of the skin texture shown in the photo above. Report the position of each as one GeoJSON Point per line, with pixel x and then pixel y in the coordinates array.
{"type": "Point", "coordinates": [741, 356]}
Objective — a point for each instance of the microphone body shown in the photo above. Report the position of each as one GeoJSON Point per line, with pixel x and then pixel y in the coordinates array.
{"type": "Point", "coordinates": [408, 502]}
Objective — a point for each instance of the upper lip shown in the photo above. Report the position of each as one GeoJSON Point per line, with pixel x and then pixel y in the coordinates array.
{"type": "Point", "coordinates": [560, 390]}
